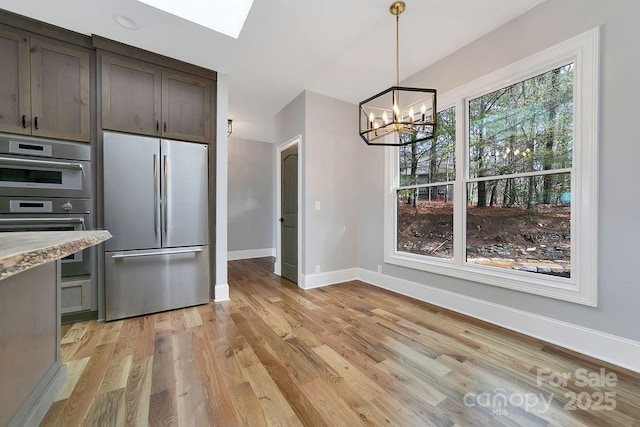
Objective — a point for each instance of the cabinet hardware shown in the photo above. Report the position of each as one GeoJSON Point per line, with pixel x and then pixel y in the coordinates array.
{"type": "Point", "coordinates": [157, 125]}
{"type": "Point", "coordinates": [24, 121]}
{"type": "Point", "coordinates": [35, 122]}
{"type": "Point", "coordinates": [165, 126]}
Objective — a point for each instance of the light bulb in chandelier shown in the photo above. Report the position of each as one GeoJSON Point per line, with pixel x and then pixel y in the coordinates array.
{"type": "Point", "coordinates": [396, 113]}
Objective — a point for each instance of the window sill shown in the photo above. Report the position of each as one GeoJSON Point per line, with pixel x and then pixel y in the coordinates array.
{"type": "Point", "coordinates": [547, 286]}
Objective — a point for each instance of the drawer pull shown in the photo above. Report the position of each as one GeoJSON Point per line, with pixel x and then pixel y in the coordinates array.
{"type": "Point", "coordinates": [180, 251]}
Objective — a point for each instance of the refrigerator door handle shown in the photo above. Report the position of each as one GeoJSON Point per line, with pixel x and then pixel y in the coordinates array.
{"type": "Point", "coordinates": [175, 252]}
{"type": "Point", "coordinates": [155, 194]}
{"type": "Point", "coordinates": [165, 201]}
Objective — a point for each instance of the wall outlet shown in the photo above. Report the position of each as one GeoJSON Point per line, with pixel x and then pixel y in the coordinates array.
{"type": "Point", "coordinates": [379, 269]}
{"type": "Point", "coordinates": [317, 269]}
{"type": "Point", "coordinates": [317, 205]}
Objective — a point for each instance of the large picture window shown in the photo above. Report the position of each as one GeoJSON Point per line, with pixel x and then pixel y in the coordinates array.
{"type": "Point", "coordinates": [518, 213]}
{"type": "Point", "coordinates": [505, 194]}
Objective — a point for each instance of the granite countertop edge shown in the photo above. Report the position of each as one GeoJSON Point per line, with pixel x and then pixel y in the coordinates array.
{"type": "Point", "coordinates": [22, 251]}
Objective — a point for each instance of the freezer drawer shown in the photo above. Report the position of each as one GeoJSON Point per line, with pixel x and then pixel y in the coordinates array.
{"type": "Point", "coordinates": [148, 281]}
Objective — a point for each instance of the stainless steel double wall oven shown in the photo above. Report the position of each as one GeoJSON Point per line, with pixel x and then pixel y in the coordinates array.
{"type": "Point", "coordinates": [46, 185]}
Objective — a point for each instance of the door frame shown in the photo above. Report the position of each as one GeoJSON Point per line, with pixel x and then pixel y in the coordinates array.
{"type": "Point", "coordinates": [296, 140]}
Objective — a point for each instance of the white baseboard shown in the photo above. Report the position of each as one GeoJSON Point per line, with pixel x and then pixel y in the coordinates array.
{"type": "Point", "coordinates": [277, 269]}
{"type": "Point", "coordinates": [610, 348]}
{"type": "Point", "coordinates": [310, 281]}
{"type": "Point", "coordinates": [221, 292]}
{"type": "Point", "coordinates": [251, 253]}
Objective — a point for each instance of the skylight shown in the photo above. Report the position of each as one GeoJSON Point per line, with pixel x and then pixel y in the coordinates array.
{"type": "Point", "coordinates": [224, 16]}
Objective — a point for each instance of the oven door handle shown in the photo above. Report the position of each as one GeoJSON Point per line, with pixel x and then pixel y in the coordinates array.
{"type": "Point", "coordinates": [40, 163]}
{"type": "Point", "coordinates": [18, 221]}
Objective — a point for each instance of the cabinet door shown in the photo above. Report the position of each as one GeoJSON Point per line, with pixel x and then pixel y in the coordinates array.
{"type": "Point", "coordinates": [60, 93]}
{"type": "Point", "coordinates": [186, 107]}
{"type": "Point", "coordinates": [14, 83]}
{"type": "Point", "coordinates": [131, 93]}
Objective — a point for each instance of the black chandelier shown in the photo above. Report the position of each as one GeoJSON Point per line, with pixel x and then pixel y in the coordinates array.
{"type": "Point", "coordinates": [399, 115]}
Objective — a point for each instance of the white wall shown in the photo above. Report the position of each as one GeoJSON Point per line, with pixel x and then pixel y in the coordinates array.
{"type": "Point", "coordinates": [221, 288]}
{"type": "Point", "coordinates": [331, 150]}
{"type": "Point", "coordinates": [250, 214]}
{"type": "Point", "coordinates": [329, 163]}
{"type": "Point", "coordinates": [619, 230]}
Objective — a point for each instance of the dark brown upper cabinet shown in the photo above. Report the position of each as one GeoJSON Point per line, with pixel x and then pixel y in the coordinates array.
{"type": "Point", "coordinates": [15, 87]}
{"type": "Point", "coordinates": [130, 96]}
{"type": "Point", "coordinates": [186, 107]}
{"type": "Point", "coordinates": [142, 98]}
{"type": "Point", "coordinates": [44, 88]}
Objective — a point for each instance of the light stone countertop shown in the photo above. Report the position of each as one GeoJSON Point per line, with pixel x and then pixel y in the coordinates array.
{"type": "Point", "coordinates": [20, 251]}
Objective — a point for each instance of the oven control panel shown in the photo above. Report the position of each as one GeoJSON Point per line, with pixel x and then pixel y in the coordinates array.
{"type": "Point", "coordinates": [11, 205]}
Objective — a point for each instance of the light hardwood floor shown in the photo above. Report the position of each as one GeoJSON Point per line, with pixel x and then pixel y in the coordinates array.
{"type": "Point", "coordinates": [349, 354]}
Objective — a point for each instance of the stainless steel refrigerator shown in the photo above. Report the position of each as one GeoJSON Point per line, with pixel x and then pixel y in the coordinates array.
{"type": "Point", "coordinates": [155, 206]}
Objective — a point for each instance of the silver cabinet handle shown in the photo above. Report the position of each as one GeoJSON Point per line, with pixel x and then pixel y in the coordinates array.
{"type": "Point", "coordinates": [40, 163]}
{"type": "Point", "coordinates": [166, 202]}
{"type": "Point", "coordinates": [179, 251]}
{"type": "Point", "coordinates": [155, 194]}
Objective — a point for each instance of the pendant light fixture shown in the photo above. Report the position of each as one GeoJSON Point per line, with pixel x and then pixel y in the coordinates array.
{"type": "Point", "coordinates": [399, 115]}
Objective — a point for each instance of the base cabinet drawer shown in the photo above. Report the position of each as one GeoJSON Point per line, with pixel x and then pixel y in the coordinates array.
{"type": "Point", "coordinates": [75, 295]}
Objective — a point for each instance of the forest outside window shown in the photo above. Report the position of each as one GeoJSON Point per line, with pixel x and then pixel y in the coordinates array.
{"type": "Point", "coordinates": [505, 194]}
{"type": "Point", "coordinates": [427, 171]}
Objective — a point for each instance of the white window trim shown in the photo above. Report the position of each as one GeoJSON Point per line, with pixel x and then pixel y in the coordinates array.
{"type": "Point", "coordinates": [581, 288]}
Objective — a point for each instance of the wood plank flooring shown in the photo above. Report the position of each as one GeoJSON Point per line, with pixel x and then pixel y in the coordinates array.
{"type": "Point", "coordinates": [345, 355]}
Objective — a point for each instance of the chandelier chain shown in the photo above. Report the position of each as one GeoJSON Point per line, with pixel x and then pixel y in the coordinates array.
{"type": "Point", "coordinates": [398, 50]}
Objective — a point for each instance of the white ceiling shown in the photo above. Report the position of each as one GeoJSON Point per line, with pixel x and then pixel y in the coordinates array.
{"type": "Point", "coordinates": [343, 49]}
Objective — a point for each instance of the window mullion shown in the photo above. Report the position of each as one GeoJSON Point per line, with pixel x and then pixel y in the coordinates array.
{"type": "Point", "coordinates": [520, 175]}
{"type": "Point", "coordinates": [435, 184]}
{"type": "Point", "coordinates": [459, 240]}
